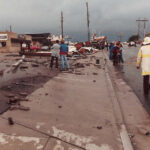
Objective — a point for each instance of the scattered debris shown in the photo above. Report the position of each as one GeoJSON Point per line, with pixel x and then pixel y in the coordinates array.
{"type": "Point", "coordinates": [23, 67]}
{"type": "Point", "coordinates": [23, 94]}
{"type": "Point", "coordinates": [10, 95]}
{"type": "Point", "coordinates": [79, 73]}
{"type": "Point", "coordinates": [147, 133]}
{"type": "Point", "coordinates": [10, 121]}
{"type": "Point", "coordinates": [79, 65]}
{"type": "Point", "coordinates": [131, 135]}
{"type": "Point", "coordinates": [1, 72]}
{"type": "Point", "coordinates": [94, 73]}
{"type": "Point", "coordinates": [35, 65]}
{"type": "Point", "coordinates": [99, 127]}
{"type": "Point", "coordinates": [46, 94]}
{"type": "Point", "coordinates": [20, 107]}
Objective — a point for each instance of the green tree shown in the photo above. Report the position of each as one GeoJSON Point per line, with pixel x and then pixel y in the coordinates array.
{"type": "Point", "coordinates": [133, 38]}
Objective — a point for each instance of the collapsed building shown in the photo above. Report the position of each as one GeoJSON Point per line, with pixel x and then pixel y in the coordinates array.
{"type": "Point", "coordinates": [41, 39]}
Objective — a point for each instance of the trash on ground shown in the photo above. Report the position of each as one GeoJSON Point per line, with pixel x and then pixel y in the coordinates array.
{"type": "Point", "coordinates": [19, 107]}
{"type": "Point", "coordinates": [10, 121]}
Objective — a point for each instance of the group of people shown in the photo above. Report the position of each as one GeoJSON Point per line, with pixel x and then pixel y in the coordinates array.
{"type": "Point", "coordinates": [115, 53]}
{"type": "Point", "coordinates": [59, 51]}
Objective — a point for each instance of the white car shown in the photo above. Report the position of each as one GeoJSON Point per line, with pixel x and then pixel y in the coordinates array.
{"type": "Point", "coordinates": [45, 48]}
{"type": "Point", "coordinates": [72, 50]}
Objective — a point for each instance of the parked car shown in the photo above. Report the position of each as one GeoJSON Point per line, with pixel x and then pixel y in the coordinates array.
{"type": "Point", "coordinates": [45, 48]}
{"type": "Point", "coordinates": [132, 43]}
{"type": "Point", "coordinates": [34, 48]}
{"type": "Point", "coordinates": [72, 50]}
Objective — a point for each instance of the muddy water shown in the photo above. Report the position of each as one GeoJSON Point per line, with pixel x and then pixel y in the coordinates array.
{"type": "Point", "coordinates": [133, 76]}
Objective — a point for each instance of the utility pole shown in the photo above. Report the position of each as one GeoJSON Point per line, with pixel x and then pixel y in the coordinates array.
{"type": "Point", "coordinates": [62, 25]}
{"type": "Point", "coordinates": [140, 31]}
{"type": "Point", "coordinates": [88, 21]}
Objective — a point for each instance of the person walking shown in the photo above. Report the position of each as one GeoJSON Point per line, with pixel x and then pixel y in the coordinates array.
{"type": "Point", "coordinates": [63, 56]}
{"type": "Point", "coordinates": [121, 54]}
{"type": "Point", "coordinates": [110, 50]}
{"type": "Point", "coordinates": [55, 54]}
{"type": "Point", "coordinates": [116, 53]}
{"type": "Point", "coordinates": [143, 60]}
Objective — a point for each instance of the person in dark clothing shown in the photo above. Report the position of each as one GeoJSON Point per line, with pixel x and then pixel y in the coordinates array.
{"type": "Point", "coordinates": [121, 55]}
{"type": "Point", "coordinates": [110, 50]}
{"type": "Point", "coordinates": [116, 53]}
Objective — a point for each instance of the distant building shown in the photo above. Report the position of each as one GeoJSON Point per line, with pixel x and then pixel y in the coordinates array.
{"type": "Point", "coordinates": [11, 42]}
{"type": "Point", "coordinates": [41, 39]}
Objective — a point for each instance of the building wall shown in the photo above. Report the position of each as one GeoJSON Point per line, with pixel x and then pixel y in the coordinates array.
{"type": "Point", "coordinates": [10, 46]}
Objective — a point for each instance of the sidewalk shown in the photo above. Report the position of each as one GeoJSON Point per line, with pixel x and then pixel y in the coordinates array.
{"type": "Point", "coordinates": [90, 109]}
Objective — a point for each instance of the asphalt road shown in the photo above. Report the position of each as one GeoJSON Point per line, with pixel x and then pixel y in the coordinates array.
{"type": "Point", "coordinates": [133, 76]}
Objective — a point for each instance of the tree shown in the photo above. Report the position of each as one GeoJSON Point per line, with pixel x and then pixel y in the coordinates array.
{"type": "Point", "coordinates": [133, 38]}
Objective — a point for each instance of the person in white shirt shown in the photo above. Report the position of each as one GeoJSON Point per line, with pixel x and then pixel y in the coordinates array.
{"type": "Point", "coordinates": [24, 45]}
{"type": "Point", "coordinates": [55, 54]}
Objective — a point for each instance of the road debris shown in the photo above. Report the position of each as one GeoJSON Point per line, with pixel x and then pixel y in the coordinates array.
{"type": "Point", "coordinates": [19, 107]}
{"type": "Point", "coordinates": [10, 121]}
{"type": "Point", "coordinates": [79, 65]}
{"type": "Point", "coordinates": [23, 94]}
{"type": "Point", "coordinates": [94, 73]}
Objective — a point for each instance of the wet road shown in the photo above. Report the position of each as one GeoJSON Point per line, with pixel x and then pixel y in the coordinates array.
{"type": "Point", "coordinates": [132, 75]}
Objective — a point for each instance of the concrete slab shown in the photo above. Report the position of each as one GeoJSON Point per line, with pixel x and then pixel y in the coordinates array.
{"type": "Point", "coordinates": [17, 137]}
{"type": "Point", "coordinates": [83, 144]}
{"type": "Point", "coordinates": [73, 107]}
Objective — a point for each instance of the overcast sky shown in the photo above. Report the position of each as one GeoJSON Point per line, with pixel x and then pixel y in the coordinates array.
{"type": "Point", "coordinates": [106, 16]}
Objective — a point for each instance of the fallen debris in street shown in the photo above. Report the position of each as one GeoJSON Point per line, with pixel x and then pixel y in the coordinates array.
{"type": "Point", "coordinates": [23, 94]}
{"type": "Point", "coordinates": [94, 73]}
{"type": "Point", "coordinates": [35, 65]}
{"type": "Point", "coordinates": [10, 121]}
{"type": "Point", "coordinates": [79, 65]}
{"type": "Point", "coordinates": [19, 107]}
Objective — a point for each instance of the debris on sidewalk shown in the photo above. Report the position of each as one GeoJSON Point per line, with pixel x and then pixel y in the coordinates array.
{"type": "Point", "coordinates": [94, 73]}
{"type": "Point", "coordinates": [59, 106]}
{"type": "Point", "coordinates": [19, 107]}
{"type": "Point", "coordinates": [35, 65]}
{"type": "Point", "coordinates": [10, 121]}
{"type": "Point", "coordinates": [23, 67]}
{"type": "Point", "coordinates": [1, 72]}
{"type": "Point", "coordinates": [79, 65]}
{"type": "Point", "coordinates": [23, 94]}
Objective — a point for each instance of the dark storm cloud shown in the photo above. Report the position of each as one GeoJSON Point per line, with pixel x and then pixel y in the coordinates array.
{"type": "Point", "coordinates": [44, 15]}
